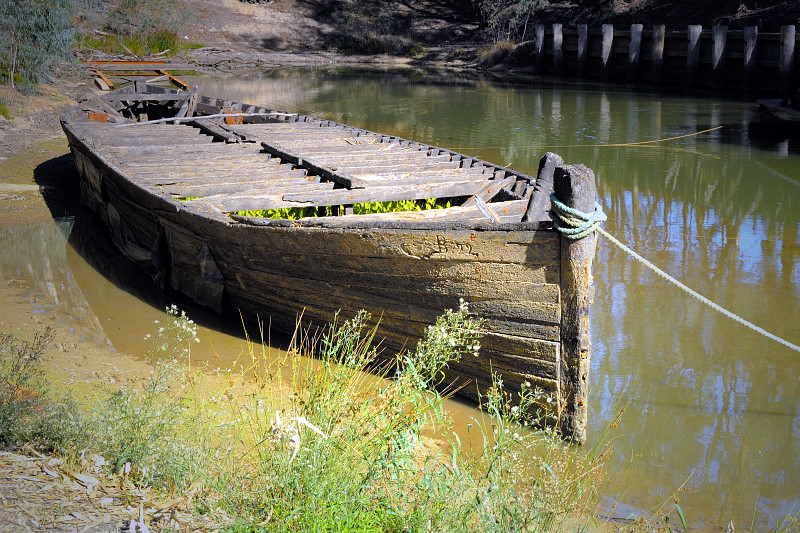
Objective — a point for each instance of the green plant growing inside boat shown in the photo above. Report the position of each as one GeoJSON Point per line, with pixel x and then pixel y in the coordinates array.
{"type": "Point", "coordinates": [368, 208]}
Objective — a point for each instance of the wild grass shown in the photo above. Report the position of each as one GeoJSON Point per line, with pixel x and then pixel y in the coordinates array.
{"type": "Point", "coordinates": [311, 441]}
{"type": "Point", "coordinates": [162, 42]}
{"type": "Point", "coordinates": [30, 415]}
{"type": "Point", "coordinates": [4, 111]}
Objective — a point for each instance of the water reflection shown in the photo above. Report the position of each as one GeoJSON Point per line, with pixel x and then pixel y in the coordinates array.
{"type": "Point", "coordinates": [708, 402]}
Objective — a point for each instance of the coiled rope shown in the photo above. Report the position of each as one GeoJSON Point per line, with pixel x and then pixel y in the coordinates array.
{"type": "Point", "coordinates": [576, 225]}
{"type": "Point", "coordinates": [572, 223]}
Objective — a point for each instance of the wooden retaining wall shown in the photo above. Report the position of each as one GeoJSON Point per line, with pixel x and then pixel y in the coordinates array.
{"type": "Point", "coordinates": [734, 61]}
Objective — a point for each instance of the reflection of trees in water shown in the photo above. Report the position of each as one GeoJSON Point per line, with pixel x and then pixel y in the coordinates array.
{"type": "Point", "coordinates": [705, 389]}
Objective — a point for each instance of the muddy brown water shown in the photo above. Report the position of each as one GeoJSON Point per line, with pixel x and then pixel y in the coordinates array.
{"type": "Point", "coordinates": [709, 404]}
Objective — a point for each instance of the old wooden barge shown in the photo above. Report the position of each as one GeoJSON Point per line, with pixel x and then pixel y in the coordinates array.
{"type": "Point", "coordinates": [170, 174]}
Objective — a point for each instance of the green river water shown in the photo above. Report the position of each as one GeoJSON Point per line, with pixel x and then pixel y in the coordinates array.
{"type": "Point", "coordinates": [708, 404]}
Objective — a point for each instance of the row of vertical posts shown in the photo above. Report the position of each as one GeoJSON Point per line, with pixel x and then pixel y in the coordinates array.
{"type": "Point", "coordinates": [720, 40]}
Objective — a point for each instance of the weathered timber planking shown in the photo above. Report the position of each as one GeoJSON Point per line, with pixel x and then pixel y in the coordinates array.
{"type": "Point", "coordinates": [423, 296]}
{"type": "Point", "coordinates": [429, 282]}
{"type": "Point", "coordinates": [135, 130]}
{"type": "Point", "coordinates": [241, 187]}
{"type": "Point", "coordinates": [218, 179]}
{"type": "Point", "coordinates": [379, 150]}
{"type": "Point", "coordinates": [205, 149]}
{"type": "Point", "coordinates": [400, 270]}
{"type": "Point", "coordinates": [421, 177]}
{"type": "Point", "coordinates": [276, 189]}
{"type": "Point", "coordinates": [533, 247]}
{"type": "Point", "coordinates": [328, 297]}
{"type": "Point", "coordinates": [308, 133]}
{"type": "Point", "coordinates": [378, 168]}
{"type": "Point", "coordinates": [286, 127]}
{"type": "Point", "coordinates": [422, 191]}
{"type": "Point", "coordinates": [225, 165]}
{"type": "Point", "coordinates": [222, 160]}
{"type": "Point", "coordinates": [433, 283]}
{"type": "Point", "coordinates": [507, 211]}
{"type": "Point", "coordinates": [524, 328]}
{"type": "Point", "coordinates": [346, 155]}
{"type": "Point", "coordinates": [301, 198]}
{"type": "Point", "coordinates": [145, 97]}
{"type": "Point", "coordinates": [233, 176]}
{"type": "Point", "coordinates": [185, 142]}
{"type": "Point", "coordinates": [311, 139]}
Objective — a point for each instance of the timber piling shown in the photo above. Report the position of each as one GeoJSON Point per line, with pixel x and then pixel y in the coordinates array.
{"type": "Point", "coordinates": [737, 62]}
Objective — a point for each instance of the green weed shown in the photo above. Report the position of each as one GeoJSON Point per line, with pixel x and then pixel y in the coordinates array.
{"type": "Point", "coordinates": [4, 111]}
{"type": "Point", "coordinates": [296, 213]}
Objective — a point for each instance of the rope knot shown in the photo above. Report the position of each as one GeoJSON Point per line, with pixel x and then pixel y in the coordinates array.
{"type": "Point", "coordinates": [572, 223]}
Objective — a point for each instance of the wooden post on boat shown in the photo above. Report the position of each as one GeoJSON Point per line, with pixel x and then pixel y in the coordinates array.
{"type": "Point", "coordinates": [540, 199]}
{"type": "Point", "coordinates": [574, 186]}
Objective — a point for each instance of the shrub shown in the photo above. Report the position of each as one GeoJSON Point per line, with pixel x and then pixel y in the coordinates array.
{"type": "Point", "coordinates": [27, 413]}
{"type": "Point", "coordinates": [147, 18]}
{"type": "Point", "coordinates": [34, 34]}
{"type": "Point", "coordinates": [508, 20]}
{"type": "Point", "coordinates": [150, 434]}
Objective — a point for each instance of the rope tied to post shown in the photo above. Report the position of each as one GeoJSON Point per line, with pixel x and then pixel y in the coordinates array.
{"type": "Point", "coordinates": [574, 224]}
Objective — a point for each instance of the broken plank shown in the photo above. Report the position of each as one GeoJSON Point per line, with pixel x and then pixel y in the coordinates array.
{"type": "Point", "coordinates": [145, 97]}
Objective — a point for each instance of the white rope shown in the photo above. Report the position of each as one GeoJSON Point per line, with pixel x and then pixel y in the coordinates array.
{"type": "Point", "coordinates": [574, 224]}
{"type": "Point", "coordinates": [697, 295]}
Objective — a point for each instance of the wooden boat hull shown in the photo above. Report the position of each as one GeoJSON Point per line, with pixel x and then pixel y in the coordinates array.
{"type": "Point", "coordinates": [406, 272]}
{"type": "Point", "coordinates": [776, 117]}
